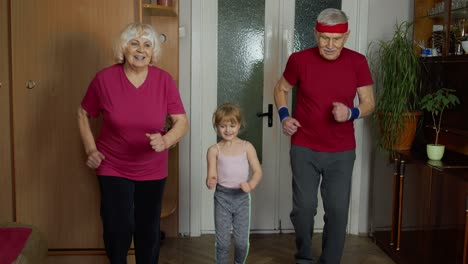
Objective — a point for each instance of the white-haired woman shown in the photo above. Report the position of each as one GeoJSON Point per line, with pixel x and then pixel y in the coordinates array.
{"type": "Point", "coordinates": [130, 155]}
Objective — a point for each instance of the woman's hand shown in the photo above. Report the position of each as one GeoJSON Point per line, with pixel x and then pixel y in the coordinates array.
{"type": "Point", "coordinates": [157, 142]}
{"type": "Point", "coordinates": [94, 159]}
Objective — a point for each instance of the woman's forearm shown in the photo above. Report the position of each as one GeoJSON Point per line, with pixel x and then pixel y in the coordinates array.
{"type": "Point", "coordinates": [85, 131]}
{"type": "Point", "coordinates": [178, 130]}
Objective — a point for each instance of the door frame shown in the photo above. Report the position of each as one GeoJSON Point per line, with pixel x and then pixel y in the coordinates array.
{"type": "Point", "coordinates": [201, 99]}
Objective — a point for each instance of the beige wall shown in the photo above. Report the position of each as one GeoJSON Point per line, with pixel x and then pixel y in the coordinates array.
{"type": "Point", "coordinates": [382, 17]}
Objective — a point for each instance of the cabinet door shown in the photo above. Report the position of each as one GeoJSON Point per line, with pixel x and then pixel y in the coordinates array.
{"type": "Point", "coordinates": [166, 22]}
{"type": "Point", "coordinates": [57, 47]}
{"type": "Point", "coordinates": [415, 213]}
{"type": "Point", "coordinates": [449, 21]}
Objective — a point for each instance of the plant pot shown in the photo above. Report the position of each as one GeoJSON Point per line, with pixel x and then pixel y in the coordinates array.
{"type": "Point", "coordinates": [435, 152]}
{"type": "Point", "coordinates": [404, 141]}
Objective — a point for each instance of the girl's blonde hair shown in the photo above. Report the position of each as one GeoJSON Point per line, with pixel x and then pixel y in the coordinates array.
{"type": "Point", "coordinates": [228, 112]}
{"type": "Point", "coordinates": [137, 30]}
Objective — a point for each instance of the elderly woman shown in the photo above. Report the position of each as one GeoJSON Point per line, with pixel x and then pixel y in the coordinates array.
{"type": "Point", "coordinates": [130, 156]}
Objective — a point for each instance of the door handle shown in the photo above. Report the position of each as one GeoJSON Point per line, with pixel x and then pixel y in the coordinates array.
{"type": "Point", "coordinates": [269, 114]}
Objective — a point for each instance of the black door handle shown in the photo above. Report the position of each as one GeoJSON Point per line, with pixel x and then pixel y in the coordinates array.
{"type": "Point", "coordinates": [269, 114]}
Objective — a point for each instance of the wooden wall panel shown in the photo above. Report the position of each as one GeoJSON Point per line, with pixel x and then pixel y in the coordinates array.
{"type": "Point", "coordinates": [170, 224]}
{"type": "Point", "coordinates": [169, 26]}
{"type": "Point", "coordinates": [169, 61]}
{"type": "Point", "coordinates": [6, 198]}
{"type": "Point", "coordinates": [58, 45]}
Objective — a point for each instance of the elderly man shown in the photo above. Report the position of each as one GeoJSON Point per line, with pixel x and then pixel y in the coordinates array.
{"type": "Point", "coordinates": [327, 78]}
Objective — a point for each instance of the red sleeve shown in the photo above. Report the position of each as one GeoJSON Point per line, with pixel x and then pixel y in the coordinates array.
{"type": "Point", "coordinates": [364, 76]}
{"type": "Point", "coordinates": [291, 71]}
{"type": "Point", "coordinates": [91, 103]}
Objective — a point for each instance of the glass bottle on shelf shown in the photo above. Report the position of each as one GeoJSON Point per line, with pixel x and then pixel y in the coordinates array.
{"type": "Point", "coordinates": [459, 14]}
{"type": "Point", "coordinates": [438, 39]}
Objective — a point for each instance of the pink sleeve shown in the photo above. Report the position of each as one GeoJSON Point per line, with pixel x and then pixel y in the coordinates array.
{"type": "Point", "coordinates": [174, 103]}
{"type": "Point", "coordinates": [91, 102]}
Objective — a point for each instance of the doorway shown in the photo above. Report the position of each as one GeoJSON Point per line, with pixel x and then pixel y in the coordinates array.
{"type": "Point", "coordinates": [254, 40]}
{"type": "Point", "coordinates": [271, 201]}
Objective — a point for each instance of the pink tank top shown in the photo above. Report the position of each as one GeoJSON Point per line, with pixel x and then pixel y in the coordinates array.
{"type": "Point", "coordinates": [232, 170]}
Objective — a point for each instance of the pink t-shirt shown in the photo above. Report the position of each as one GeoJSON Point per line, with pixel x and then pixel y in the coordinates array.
{"type": "Point", "coordinates": [128, 114]}
{"type": "Point", "coordinates": [319, 83]}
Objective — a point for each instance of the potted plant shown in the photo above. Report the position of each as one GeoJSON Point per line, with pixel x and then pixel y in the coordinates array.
{"type": "Point", "coordinates": [435, 103]}
{"type": "Point", "coordinates": [397, 73]}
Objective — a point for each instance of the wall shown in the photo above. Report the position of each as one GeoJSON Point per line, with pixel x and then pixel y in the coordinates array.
{"type": "Point", "coordinates": [383, 15]}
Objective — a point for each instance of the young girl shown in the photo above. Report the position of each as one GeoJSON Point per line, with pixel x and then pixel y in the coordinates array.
{"type": "Point", "coordinates": [228, 171]}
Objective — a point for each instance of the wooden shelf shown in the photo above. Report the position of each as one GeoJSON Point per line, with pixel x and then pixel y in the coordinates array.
{"type": "Point", "coordinates": [459, 13]}
{"type": "Point", "coordinates": [159, 10]}
{"type": "Point", "coordinates": [445, 59]}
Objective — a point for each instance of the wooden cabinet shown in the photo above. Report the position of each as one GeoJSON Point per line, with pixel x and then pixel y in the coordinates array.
{"type": "Point", "coordinates": [165, 21]}
{"type": "Point", "coordinates": [158, 8]}
{"type": "Point", "coordinates": [446, 22]}
{"type": "Point", "coordinates": [52, 49]}
{"type": "Point", "coordinates": [6, 191]}
{"type": "Point", "coordinates": [441, 23]}
{"type": "Point", "coordinates": [423, 218]}
{"type": "Point", "coordinates": [56, 48]}
{"type": "Point", "coordinates": [419, 211]}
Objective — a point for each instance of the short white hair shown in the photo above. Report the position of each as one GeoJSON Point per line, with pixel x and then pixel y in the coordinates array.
{"type": "Point", "coordinates": [332, 16]}
{"type": "Point", "coordinates": [137, 30]}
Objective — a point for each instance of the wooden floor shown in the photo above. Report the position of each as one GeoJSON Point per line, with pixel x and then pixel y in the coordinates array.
{"type": "Point", "coordinates": [264, 249]}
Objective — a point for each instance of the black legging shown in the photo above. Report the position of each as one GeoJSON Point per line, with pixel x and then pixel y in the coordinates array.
{"type": "Point", "coordinates": [131, 208]}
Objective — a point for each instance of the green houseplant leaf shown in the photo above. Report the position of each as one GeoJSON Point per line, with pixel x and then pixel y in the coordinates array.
{"type": "Point", "coordinates": [396, 71]}
{"type": "Point", "coordinates": [435, 103]}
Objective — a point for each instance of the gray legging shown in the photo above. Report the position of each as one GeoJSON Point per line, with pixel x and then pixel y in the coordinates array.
{"type": "Point", "coordinates": [232, 208]}
{"type": "Point", "coordinates": [335, 170]}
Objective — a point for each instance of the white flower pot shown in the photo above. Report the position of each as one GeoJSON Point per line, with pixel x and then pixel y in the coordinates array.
{"type": "Point", "coordinates": [435, 152]}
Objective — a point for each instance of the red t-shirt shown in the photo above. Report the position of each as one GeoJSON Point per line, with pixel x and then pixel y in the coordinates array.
{"type": "Point", "coordinates": [319, 83]}
{"type": "Point", "coordinates": [128, 114]}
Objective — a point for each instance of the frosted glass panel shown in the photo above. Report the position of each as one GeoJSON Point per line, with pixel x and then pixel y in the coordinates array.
{"type": "Point", "coordinates": [306, 13]}
{"type": "Point", "coordinates": [304, 22]}
{"type": "Point", "coordinates": [241, 32]}
{"type": "Point", "coordinates": [241, 26]}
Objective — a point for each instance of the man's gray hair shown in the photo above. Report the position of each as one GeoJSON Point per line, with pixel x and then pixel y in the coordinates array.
{"type": "Point", "coordinates": [332, 16]}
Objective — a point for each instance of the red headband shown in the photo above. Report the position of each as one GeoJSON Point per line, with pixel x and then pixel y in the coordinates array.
{"type": "Point", "coordinates": [338, 28]}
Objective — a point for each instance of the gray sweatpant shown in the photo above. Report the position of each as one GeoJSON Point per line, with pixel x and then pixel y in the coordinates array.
{"type": "Point", "coordinates": [335, 171]}
{"type": "Point", "coordinates": [231, 208]}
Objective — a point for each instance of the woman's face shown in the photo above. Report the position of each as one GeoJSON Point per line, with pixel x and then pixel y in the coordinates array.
{"type": "Point", "coordinates": [138, 52]}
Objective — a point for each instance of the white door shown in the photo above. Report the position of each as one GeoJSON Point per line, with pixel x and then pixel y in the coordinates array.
{"type": "Point", "coordinates": [246, 45]}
